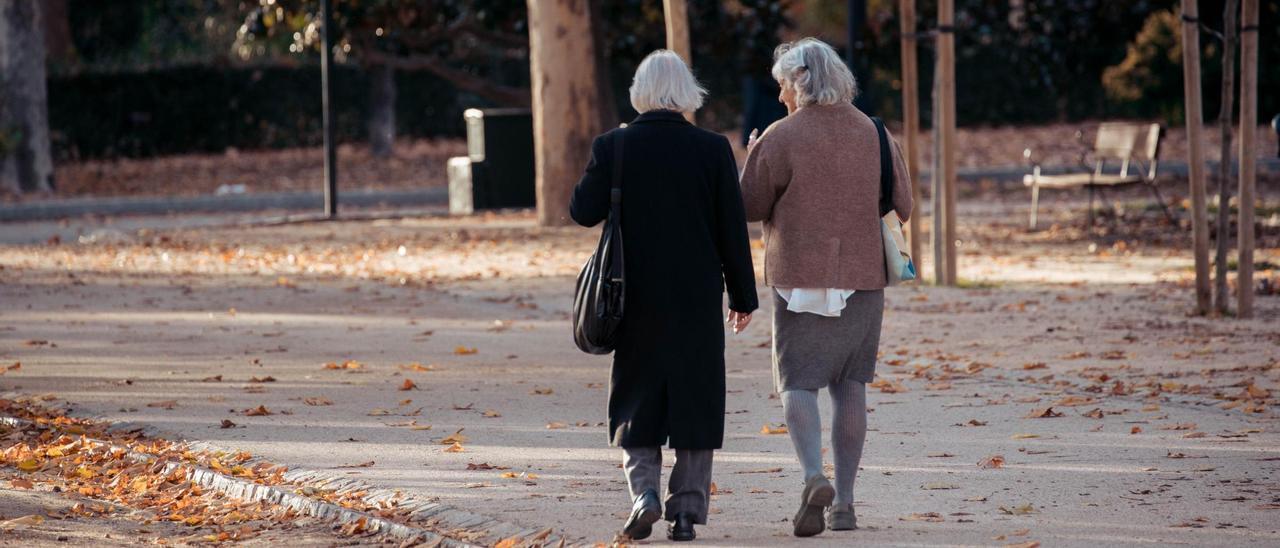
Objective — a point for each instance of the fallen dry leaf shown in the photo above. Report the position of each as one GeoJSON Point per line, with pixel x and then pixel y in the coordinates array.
{"type": "Point", "coordinates": [1043, 413]}
{"type": "Point", "coordinates": [227, 424]}
{"type": "Point", "coordinates": [1018, 510]}
{"type": "Point", "coordinates": [317, 401]}
{"type": "Point", "coordinates": [455, 448]}
{"type": "Point", "coordinates": [771, 430]}
{"type": "Point", "coordinates": [258, 411]}
{"type": "Point", "coordinates": [1073, 401]}
{"type": "Point", "coordinates": [887, 386]}
{"type": "Point", "coordinates": [454, 438]}
{"type": "Point", "coordinates": [408, 385]}
{"type": "Point", "coordinates": [464, 351]}
{"type": "Point", "coordinates": [993, 461]}
{"type": "Point", "coordinates": [931, 517]}
{"type": "Point", "coordinates": [349, 364]}
{"type": "Point", "coordinates": [166, 404]}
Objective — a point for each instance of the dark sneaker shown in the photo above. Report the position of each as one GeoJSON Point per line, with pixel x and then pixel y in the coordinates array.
{"type": "Point", "coordinates": [644, 513]}
{"type": "Point", "coordinates": [817, 495]}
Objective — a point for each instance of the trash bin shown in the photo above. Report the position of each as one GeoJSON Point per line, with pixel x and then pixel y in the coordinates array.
{"type": "Point", "coordinates": [500, 148]}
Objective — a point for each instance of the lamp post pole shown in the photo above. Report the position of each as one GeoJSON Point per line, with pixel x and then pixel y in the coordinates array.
{"type": "Point", "coordinates": [326, 86]}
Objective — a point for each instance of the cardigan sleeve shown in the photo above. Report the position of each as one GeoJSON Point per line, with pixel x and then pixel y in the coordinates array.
{"type": "Point", "coordinates": [590, 202]}
{"type": "Point", "coordinates": [733, 241]}
{"type": "Point", "coordinates": [902, 200]}
{"type": "Point", "coordinates": [763, 179]}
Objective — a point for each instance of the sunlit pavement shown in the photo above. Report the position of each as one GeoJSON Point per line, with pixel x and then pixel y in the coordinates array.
{"type": "Point", "coordinates": [114, 326]}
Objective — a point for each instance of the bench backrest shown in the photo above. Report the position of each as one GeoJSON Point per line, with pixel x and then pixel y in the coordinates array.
{"type": "Point", "coordinates": [1119, 140]}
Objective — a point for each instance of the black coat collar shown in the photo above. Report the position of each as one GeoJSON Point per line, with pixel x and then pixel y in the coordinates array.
{"type": "Point", "coordinates": [660, 116]}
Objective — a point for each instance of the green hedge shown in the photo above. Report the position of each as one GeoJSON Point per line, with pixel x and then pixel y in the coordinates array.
{"type": "Point", "coordinates": [211, 108]}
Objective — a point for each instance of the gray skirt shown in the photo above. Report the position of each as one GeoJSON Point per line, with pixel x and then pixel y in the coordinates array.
{"type": "Point", "coordinates": [811, 351]}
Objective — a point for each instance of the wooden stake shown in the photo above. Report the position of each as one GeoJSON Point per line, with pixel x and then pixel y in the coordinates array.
{"type": "Point", "coordinates": [911, 119]}
{"type": "Point", "coordinates": [677, 16]}
{"type": "Point", "coordinates": [936, 189]}
{"type": "Point", "coordinates": [946, 50]}
{"type": "Point", "coordinates": [1222, 294]}
{"type": "Point", "coordinates": [1248, 153]}
{"type": "Point", "coordinates": [1195, 151]}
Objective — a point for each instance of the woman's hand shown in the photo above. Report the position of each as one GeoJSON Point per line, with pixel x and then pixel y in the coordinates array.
{"type": "Point", "coordinates": [751, 139]}
{"type": "Point", "coordinates": [738, 320]}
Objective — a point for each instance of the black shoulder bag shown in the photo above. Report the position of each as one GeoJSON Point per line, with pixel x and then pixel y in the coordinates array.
{"type": "Point", "coordinates": [598, 301]}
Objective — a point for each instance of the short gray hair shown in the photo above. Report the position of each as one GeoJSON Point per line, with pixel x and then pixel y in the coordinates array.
{"type": "Point", "coordinates": [815, 71]}
{"type": "Point", "coordinates": [663, 82]}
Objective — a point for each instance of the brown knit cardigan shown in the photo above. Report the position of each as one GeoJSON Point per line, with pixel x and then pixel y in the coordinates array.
{"type": "Point", "coordinates": [814, 179]}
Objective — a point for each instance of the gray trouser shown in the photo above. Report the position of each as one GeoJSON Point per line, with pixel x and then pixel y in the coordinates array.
{"type": "Point", "coordinates": [688, 490]}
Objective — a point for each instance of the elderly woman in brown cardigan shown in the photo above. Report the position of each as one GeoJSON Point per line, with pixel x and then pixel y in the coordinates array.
{"type": "Point", "coordinates": [814, 179]}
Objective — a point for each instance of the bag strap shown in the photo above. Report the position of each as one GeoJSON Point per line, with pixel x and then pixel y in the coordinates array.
{"type": "Point", "coordinates": [615, 193]}
{"type": "Point", "coordinates": [886, 169]}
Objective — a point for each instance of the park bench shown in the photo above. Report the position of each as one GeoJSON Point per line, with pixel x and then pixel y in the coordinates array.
{"type": "Point", "coordinates": [1116, 143]}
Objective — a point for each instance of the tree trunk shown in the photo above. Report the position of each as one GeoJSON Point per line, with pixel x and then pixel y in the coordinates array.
{"type": "Point", "coordinates": [1248, 155]}
{"type": "Point", "coordinates": [1222, 295]}
{"type": "Point", "coordinates": [1195, 152]}
{"type": "Point", "coordinates": [382, 109]}
{"type": "Point", "coordinates": [25, 161]}
{"type": "Point", "coordinates": [566, 100]}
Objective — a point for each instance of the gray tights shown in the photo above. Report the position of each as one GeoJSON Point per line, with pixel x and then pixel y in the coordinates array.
{"type": "Point", "coordinates": [848, 431]}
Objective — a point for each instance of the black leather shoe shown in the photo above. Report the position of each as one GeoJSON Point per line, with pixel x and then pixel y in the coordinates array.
{"type": "Point", "coordinates": [682, 528]}
{"type": "Point", "coordinates": [644, 513]}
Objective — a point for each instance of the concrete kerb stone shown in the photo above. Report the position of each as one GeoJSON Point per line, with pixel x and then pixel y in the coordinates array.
{"type": "Point", "coordinates": [490, 531]}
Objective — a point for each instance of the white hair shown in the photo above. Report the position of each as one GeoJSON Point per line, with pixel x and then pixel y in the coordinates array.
{"type": "Point", "coordinates": [663, 82]}
{"type": "Point", "coordinates": [815, 71]}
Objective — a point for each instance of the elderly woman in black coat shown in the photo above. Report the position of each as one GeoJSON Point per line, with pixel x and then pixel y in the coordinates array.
{"type": "Point", "coordinates": [685, 240]}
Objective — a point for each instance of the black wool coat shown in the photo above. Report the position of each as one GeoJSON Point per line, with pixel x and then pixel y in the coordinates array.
{"type": "Point", "coordinates": [684, 235]}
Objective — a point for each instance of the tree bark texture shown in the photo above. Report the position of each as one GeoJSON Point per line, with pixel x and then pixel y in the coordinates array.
{"type": "Point", "coordinates": [566, 101]}
{"type": "Point", "coordinates": [25, 161]}
{"type": "Point", "coordinates": [1222, 293]}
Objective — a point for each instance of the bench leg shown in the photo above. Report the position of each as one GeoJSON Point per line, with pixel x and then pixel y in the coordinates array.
{"type": "Point", "coordinates": [1035, 204]}
{"type": "Point", "coordinates": [1160, 200]}
{"type": "Point", "coordinates": [1102, 201]}
{"type": "Point", "coordinates": [1091, 190]}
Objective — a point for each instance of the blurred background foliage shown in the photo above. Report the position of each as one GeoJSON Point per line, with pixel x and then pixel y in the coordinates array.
{"type": "Point", "coordinates": [131, 77]}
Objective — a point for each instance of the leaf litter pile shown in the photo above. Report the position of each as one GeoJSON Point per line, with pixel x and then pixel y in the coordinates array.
{"type": "Point", "coordinates": [110, 468]}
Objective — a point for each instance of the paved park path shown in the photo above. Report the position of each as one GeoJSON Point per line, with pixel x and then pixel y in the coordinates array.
{"type": "Point", "coordinates": [458, 329]}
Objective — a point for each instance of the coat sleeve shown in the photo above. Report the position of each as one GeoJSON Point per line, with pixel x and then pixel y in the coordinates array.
{"type": "Point", "coordinates": [590, 202]}
{"type": "Point", "coordinates": [733, 241]}
{"type": "Point", "coordinates": [763, 180]}
{"type": "Point", "coordinates": [902, 202]}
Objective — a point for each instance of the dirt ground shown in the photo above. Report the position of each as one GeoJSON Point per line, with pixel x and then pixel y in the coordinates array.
{"type": "Point", "coordinates": [421, 163]}
{"type": "Point", "coordinates": [1070, 353]}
